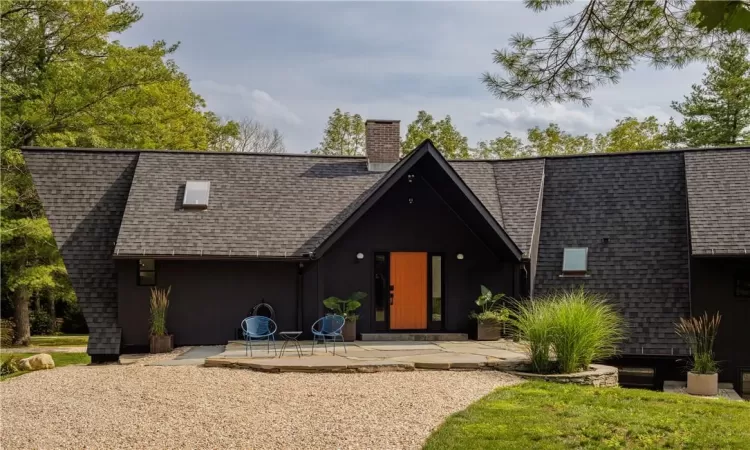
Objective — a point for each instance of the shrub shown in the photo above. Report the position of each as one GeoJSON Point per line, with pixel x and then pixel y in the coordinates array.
{"type": "Point", "coordinates": [700, 333]}
{"type": "Point", "coordinates": [576, 326]}
{"type": "Point", "coordinates": [73, 320]}
{"type": "Point", "coordinates": [42, 323]}
{"type": "Point", "coordinates": [8, 364]}
{"type": "Point", "coordinates": [346, 307]}
{"type": "Point", "coordinates": [586, 328]}
{"type": "Point", "coordinates": [159, 305]}
{"type": "Point", "coordinates": [531, 322]}
{"type": "Point", "coordinates": [7, 332]}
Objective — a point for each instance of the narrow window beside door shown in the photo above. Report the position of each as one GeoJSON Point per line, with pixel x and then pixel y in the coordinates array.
{"type": "Point", "coordinates": [146, 272]}
{"type": "Point", "coordinates": [437, 288]}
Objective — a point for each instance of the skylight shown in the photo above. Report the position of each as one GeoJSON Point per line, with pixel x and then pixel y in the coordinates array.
{"type": "Point", "coordinates": [196, 194]}
{"type": "Point", "coordinates": [575, 260]}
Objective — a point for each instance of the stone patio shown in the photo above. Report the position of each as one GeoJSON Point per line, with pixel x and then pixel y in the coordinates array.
{"type": "Point", "coordinates": [367, 356]}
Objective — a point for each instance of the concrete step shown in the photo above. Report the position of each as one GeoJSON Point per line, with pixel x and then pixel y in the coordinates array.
{"type": "Point", "coordinates": [415, 337]}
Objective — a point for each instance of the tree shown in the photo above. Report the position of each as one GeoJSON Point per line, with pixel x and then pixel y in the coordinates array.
{"type": "Point", "coordinates": [505, 147]}
{"type": "Point", "coordinates": [605, 39]}
{"type": "Point", "coordinates": [253, 136]}
{"type": "Point", "coordinates": [344, 135]}
{"type": "Point", "coordinates": [631, 134]}
{"type": "Point", "coordinates": [451, 143]}
{"type": "Point", "coordinates": [554, 141]}
{"type": "Point", "coordinates": [66, 83]}
{"type": "Point", "coordinates": [717, 112]}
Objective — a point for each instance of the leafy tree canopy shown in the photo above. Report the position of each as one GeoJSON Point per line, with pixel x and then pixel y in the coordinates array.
{"type": "Point", "coordinates": [606, 38]}
{"type": "Point", "coordinates": [344, 135]}
{"type": "Point", "coordinates": [443, 134]}
{"type": "Point", "coordinates": [717, 111]}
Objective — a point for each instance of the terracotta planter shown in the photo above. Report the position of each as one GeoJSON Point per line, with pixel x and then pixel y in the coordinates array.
{"type": "Point", "coordinates": [350, 331]}
{"type": "Point", "coordinates": [161, 344]}
{"type": "Point", "coordinates": [703, 384]}
{"type": "Point", "coordinates": [489, 331]}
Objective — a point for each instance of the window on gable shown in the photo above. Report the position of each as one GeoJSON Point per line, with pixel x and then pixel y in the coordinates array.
{"type": "Point", "coordinates": [575, 260]}
{"type": "Point", "coordinates": [146, 272]}
{"type": "Point", "coordinates": [196, 194]}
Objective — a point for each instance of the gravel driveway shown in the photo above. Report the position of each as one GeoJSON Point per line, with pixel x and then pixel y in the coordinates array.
{"type": "Point", "coordinates": [176, 407]}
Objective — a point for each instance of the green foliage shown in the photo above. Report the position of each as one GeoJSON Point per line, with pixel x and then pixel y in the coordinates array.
{"type": "Point", "coordinates": [59, 340]}
{"type": "Point", "coordinates": [67, 81]}
{"type": "Point", "coordinates": [505, 147]}
{"type": "Point", "coordinates": [728, 15]}
{"type": "Point", "coordinates": [700, 334]}
{"type": "Point", "coordinates": [73, 320]}
{"type": "Point", "coordinates": [576, 326]}
{"type": "Point", "coordinates": [447, 139]}
{"type": "Point", "coordinates": [717, 112]}
{"type": "Point", "coordinates": [631, 134]}
{"type": "Point", "coordinates": [42, 323]}
{"type": "Point", "coordinates": [8, 364]}
{"type": "Point", "coordinates": [346, 307]}
{"type": "Point", "coordinates": [606, 38]}
{"type": "Point", "coordinates": [159, 305]}
{"type": "Point", "coordinates": [344, 135]}
{"type": "Point", "coordinates": [6, 333]}
{"type": "Point", "coordinates": [490, 309]}
{"type": "Point", "coordinates": [61, 360]}
{"type": "Point", "coordinates": [553, 141]}
{"type": "Point", "coordinates": [531, 322]}
{"type": "Point", "coordinates": [542, 415]}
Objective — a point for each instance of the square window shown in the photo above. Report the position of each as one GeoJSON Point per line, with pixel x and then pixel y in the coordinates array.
{"type": "Point", "coordinates": [575, 260]}
{"type": "Point", "coordinates": [196, 194]}
{"type": "Point", "coordinates": [146, 272]}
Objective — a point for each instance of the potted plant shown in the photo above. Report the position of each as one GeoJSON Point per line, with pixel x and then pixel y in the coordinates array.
{"type": "Point", "coordinates": [160, 341]}
{"type": "Point", "coordinates": [491, 318]}
{"type": "Point", "coordinates": [348, 308]}
{"type": "Point", "coordinates": [699, 333]}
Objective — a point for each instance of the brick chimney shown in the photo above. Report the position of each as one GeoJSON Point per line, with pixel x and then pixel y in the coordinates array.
{"type": "Point", "coordinates": [382, 144]}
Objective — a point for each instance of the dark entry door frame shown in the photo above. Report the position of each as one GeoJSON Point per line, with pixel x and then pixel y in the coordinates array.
{"type": "Point", "coordinates": [381, 289]}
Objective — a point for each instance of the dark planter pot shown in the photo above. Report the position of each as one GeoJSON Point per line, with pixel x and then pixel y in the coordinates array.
{"type": "Point", "coordinates": [350, 331]}
{"type": "Point", "coordinates": [489, 331]}
{"type": "Point", "coordinates": [161, 344]}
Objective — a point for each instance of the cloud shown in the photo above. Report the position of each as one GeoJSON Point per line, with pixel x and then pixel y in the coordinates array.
{"type": "Point", "coordinates": [570, 117]}
{"type": "Point", "coordinates": [261, 103]}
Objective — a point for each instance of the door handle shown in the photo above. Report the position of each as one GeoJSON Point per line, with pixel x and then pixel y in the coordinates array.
{"type": "Point", "coordinates": [391, 298]}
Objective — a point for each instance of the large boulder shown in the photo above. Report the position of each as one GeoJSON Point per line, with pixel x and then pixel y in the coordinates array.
{"type": "Point", "coordinates": [37, 362]}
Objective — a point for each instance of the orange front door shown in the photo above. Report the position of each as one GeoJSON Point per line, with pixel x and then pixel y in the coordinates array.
{"type": "Point", "coordinates": [409, 281]}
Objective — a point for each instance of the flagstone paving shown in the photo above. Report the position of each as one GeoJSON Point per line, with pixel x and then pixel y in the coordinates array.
{"type": "Point", "coordinates": [373, 356]}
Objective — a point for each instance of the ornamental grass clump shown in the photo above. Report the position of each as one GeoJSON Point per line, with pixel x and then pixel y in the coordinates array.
{"type": "Point", "coordinates": [700, 333]}
{"type": "Point", "coordinates": [531, 322]}
{"type": "Point", "coordinates": [159, 305]}
{"type": "Point", "coordinates": [586, 328]}
{"type": "Point", "coordinates": [575, 327]}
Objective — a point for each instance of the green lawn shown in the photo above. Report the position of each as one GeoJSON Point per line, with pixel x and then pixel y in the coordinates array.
{"type": "Point", "coordinates": [61, 359]}
{"type": "Point", "coordinates": [59, 341]}
{"type": "Point", "coordinates": [543, 415]}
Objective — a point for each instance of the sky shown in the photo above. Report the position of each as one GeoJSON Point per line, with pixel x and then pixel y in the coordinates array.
{"type": "Point", "coordinates": [290, 64]}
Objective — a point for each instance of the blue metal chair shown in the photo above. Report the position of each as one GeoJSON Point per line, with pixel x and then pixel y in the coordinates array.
{"type": "Point", "coordinates": [259, 328]}
{"type": "Point", "coordinates": [328, 327]}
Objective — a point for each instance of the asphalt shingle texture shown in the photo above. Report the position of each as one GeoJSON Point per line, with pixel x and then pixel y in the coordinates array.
{"type": "Point", "coordinates": [84, 196]}
{"type": "Point", "coordinates": [718, 186]}
{"type": "Point", "coordinates": [630, 211]}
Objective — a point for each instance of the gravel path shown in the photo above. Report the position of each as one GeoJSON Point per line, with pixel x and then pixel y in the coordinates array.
{"type": "Point", "coordinates": [177, 407]}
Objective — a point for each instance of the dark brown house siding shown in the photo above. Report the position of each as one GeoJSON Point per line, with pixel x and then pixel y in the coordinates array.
{"type": "Point", "coordinates": [427, 224]}
{"type": "Point", "coordinates": [208, 300]}
{"type": "Point", "coordinates": [713, 289]}
{"type": "Point", "coordinates": [84, 196]}
{"type": "Point", "coordinates": [630, 211]}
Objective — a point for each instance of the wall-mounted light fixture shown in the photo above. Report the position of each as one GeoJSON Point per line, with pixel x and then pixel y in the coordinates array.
{"type": "Point", "coordinates": [411, 200]}
{"type": "Point", "coordinates": [459, 256]}
{"type": "Point", "coordinates": [360, 256]}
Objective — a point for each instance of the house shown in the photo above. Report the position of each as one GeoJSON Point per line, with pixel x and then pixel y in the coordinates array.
{"type": "Point", "coordinates": [663, 234]}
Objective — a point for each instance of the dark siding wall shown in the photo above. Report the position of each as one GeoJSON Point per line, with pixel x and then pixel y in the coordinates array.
{"type": "Point", "coordinates": [638, 203]}
{"type": "Point", "coordinates": [712, 290]}
{"type": "Point", "coordinates": [427, 225]}
{"type": "Point", "coordinates": [209, 299]}
{"type": "Point", "coordinates": [84, 196]}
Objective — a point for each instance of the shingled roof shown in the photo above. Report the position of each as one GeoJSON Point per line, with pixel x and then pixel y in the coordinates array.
{"type": "Point", "coordinates": [718, 187]}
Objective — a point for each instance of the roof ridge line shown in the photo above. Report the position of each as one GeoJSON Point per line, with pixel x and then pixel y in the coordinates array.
{"type": "Point", "coordinates": [179, 152]}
